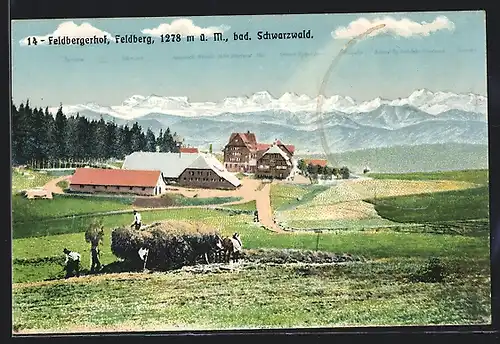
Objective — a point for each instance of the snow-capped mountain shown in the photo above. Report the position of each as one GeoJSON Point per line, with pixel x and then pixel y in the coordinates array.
{"type": "Point", "coordinates": [138, 106]}
{"type": "Point", "coordinates": [424, 117]}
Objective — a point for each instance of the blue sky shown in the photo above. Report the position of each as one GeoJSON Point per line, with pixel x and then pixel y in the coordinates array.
{"type": "Point", "coordinates": [450, 58]}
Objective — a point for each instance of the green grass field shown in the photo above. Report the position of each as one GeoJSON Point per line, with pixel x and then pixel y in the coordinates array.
{"type": "Point", "coordinates": [31, 210]}
{"type": "Point", "coordinates": [471, 176]}
{"type": "Point", "coordinates": [382, 245]}
{"type": "Point", "coordinates": [342, 224]}
{"type": "Point", "coordinates": [285, 196]}
{"type": "Point", "coordinates": [457, 205]}
{"type": "Point", "coordinates": [469, 204]}
{"type": "Point", "coordinates": [252, 205]}
{"type": "Point", "coordinates": [181, 200]}
{"type": "Point", "coordinates": [368, 294]}
{"type": "Point", "coordinates": [376, 292]}
{"type": "Point", "coordinates": [32, 179]}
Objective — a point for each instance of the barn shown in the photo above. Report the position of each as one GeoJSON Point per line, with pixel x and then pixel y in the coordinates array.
{"type": "Point", "coordinates": [207, 172]}
{"type": "Point", "coordinates": [194, 170]}
{"type": "Point", "coordinates": [137, 182]}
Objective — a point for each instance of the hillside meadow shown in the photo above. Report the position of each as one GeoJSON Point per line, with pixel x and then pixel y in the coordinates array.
{"type": "Point", "coordinates": [378, 291]}
{"type": "Point", "coordinates": [385, 200]}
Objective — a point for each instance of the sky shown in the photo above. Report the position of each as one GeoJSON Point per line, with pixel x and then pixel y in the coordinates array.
{"type": "Point", "coordinates": [443, 51]}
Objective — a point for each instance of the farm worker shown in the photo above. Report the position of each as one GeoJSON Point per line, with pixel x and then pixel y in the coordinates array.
{"type": "Point", "coordinates": [137, 220]}
{"type": "Point", "coordinates": [72, 263]}
{"type": "Point", "coordinates": [96, 264]}
{"type": "Point", "coordinates": [143, 254]}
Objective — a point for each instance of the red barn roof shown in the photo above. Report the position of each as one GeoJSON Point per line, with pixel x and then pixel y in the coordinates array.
{"type": "Point", "coordinates": [189, 150]}
{"type": "Point", "coordinates": [316, 162]}
{"type": "Point", "coordinates": [115, 177]}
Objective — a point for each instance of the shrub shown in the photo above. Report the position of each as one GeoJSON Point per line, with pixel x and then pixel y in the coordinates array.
{"type": "Point", "coordinates": [432, 272]}
{"type": "Point", "coordinates": [171, 244]}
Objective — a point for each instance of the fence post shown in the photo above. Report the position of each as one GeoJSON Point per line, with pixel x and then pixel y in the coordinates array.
{"type": "Point", "coordinates": [317, 238]}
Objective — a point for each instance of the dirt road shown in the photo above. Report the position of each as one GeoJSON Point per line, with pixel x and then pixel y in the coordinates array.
{"type": "Point", "coordinates": [52, 185]}
{"type": "Point", "coordinates": [263, 203]}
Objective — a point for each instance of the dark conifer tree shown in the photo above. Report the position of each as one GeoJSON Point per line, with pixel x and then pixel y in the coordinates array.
{"type": "Point", "coordinates": [150, 141]}
{"type": "Point", "coordinates": [60, 132]}
{"type": "Point", "coordinates": [14, 123]}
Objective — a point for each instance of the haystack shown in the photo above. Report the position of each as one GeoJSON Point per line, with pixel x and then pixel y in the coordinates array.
{"type": "Point", "coordinates": [172, 244]}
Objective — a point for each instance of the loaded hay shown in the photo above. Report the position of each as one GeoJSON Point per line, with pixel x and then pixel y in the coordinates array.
{"type": "Point", "coordinates": [171, 244]}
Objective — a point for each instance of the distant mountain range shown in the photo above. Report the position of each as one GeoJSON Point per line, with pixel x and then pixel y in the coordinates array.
{"type": "Point", "coordinates": [424, 117]}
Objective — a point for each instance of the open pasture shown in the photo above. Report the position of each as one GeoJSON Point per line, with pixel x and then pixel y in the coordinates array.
{"type": "Point", "coordinates": [470, 176]}
{"type": "Point", "coordinates": [387, 201]}
{"type": "Point", "coordinates": [377, 291]}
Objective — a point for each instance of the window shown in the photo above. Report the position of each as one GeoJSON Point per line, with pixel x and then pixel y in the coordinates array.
{"type": "Point", "coordinates": [93, 186]}
{"type": "Point", "coordinates": [117, 188]}
{"type": "Point", "coordinates": [184, 178]}
{"type": "Point", "coordinates": [131, 188]}
{"type": "Point", "coordinates": [143, 189]}
{"type": "Point", "coordinates": [81, 186]}
{"type": "Point", "coordinates": [105, 187]}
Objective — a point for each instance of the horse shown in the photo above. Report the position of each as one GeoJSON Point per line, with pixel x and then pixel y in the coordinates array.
{"type": "Point", "coordinates": [231, 247]}
{"type": "Point", "coordinates": [204, 247]}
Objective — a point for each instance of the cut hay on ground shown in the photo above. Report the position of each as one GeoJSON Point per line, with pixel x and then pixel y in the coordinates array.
{"type": "Point", "coordinates": [287, 256]}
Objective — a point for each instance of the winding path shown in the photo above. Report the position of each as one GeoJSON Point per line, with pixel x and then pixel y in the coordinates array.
{"type": "Point", "coordinates": [263, 203]}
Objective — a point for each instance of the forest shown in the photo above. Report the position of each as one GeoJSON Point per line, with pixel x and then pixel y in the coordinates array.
{"type": "Point", "coordinates": [39, 136]}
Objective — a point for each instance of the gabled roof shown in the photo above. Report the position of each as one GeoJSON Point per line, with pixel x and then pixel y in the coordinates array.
{"type": "Point", "coordinates": [170, 164]}
{"type": "Point", "coordinates": [115, 177]}
{"type": "Point", "coordinates": [274, 149]}
{"type": "Point", "coordinates": [264, 146]}
{"type": "Point", "coordinates": [189, 150]}
{"type": "Point", "coordinates": [209, 162]}
{"type": "Point", "coordinates": [290, 148]}
{"type": "Point", "coordinates": [316, 162]}
{"type": "Point", "coordinates": [248, 139]}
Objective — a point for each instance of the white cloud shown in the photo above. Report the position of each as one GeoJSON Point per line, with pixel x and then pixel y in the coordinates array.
{"type": "Point", "coordinates": [403, 27]}
{"type": "Point", "coordinates": [184, 27]}
{"type": "Point", "coordinates": [72, 30]}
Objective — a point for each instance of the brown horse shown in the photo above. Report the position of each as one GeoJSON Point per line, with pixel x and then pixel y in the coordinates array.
{"type": "Point", "coordinates": [231, 247]}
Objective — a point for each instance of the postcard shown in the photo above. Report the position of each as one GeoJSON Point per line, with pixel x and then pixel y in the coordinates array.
{"type": "Point", "coordinates": [250, 172]}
